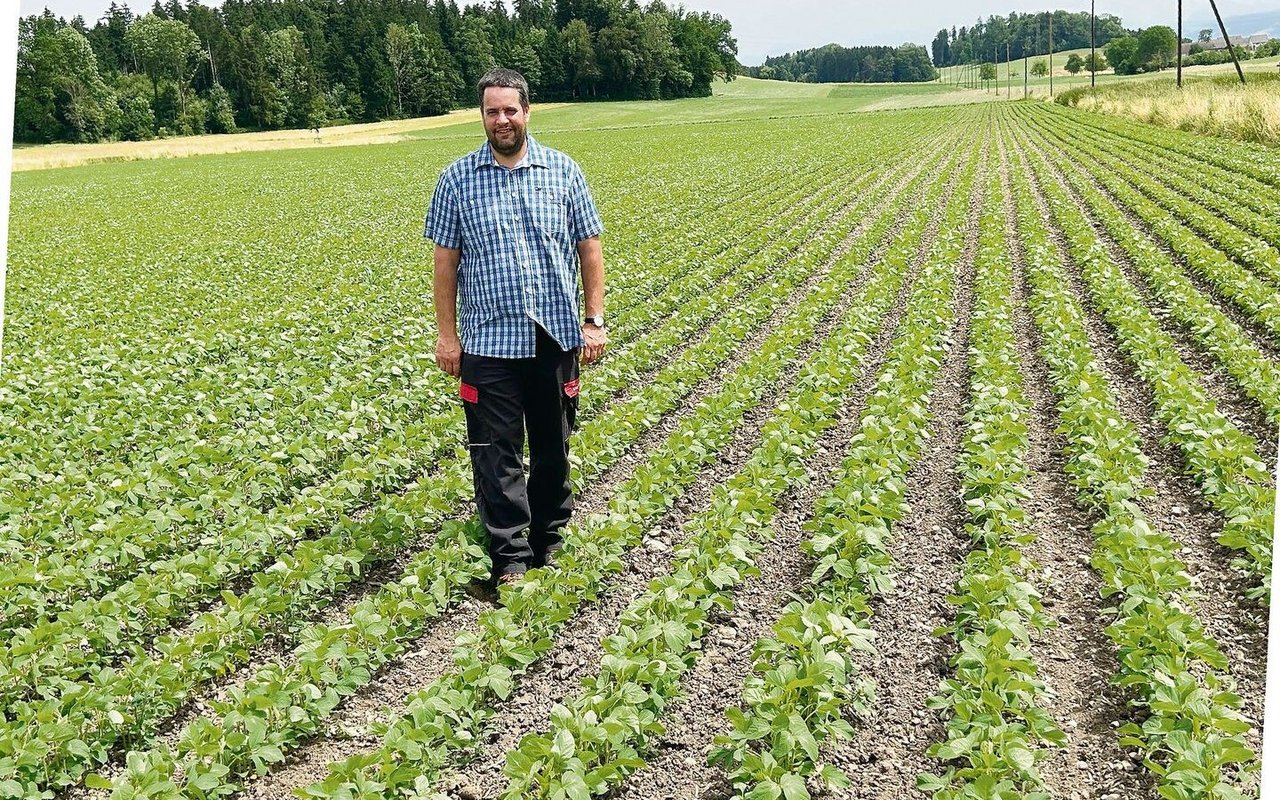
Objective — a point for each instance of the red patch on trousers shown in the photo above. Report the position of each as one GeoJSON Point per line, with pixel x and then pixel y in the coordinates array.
{"type": "Point", "coordinates": [469, 393]}
{"type": "Point", "coordinates": [571, 388]}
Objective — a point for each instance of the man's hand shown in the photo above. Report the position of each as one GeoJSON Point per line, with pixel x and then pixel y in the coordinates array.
{"type": "Point", "coordinates": [594, 339]}
{"type": "Point", "coordinates": [449, 355]}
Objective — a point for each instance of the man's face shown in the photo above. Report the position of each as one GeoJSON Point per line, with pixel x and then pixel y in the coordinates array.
{"type": "Point", "coordinates": [504, 120]}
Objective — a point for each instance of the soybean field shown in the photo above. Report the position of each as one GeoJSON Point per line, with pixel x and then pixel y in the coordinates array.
{"type": "Point", "coordinates": [932, 458]}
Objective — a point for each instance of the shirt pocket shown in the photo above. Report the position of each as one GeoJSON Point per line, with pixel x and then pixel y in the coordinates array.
{"type": "Point", "coordinates": [550, 207]}
{"type": "Point", "coordinates": [480, 223]}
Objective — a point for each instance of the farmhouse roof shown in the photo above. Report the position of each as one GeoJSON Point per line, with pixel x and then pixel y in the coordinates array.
{"type": "Point", "coordinates": [1247, 42]}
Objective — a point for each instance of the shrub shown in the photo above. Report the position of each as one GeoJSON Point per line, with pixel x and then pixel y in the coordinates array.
{"type": "Point", "coordinates": [1071, 97]}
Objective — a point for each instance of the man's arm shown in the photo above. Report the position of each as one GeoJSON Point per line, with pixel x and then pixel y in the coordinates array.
{"type": "Point", "coordinates": [445, 290]}
{"type": "Point", "coordinates": [591, 257]}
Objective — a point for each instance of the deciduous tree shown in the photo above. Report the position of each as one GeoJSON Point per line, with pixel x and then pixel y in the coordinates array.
{"type": "Point", "coordinates": [1122, 54]}
{"type": "Point", "coordinates": [1157, 47]}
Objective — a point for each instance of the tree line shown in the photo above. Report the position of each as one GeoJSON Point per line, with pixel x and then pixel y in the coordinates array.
{"type": "Point", "coordinates": [266, 64]}
{"type": "Point", "coordinates": [835, 64]}
{"type": "Point", "coordinates": [1025, 34]}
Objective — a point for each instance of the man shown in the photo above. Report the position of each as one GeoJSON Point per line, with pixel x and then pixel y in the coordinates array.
{"type": "Point", "coordinates": [514, 225]}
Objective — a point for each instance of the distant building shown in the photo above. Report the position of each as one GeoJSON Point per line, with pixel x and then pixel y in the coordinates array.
{"type": "Point", "coordinates": [1248, 43]}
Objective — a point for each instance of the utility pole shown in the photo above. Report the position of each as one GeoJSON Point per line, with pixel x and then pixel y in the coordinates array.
{"type": "Point", "coordinates": [1026, 70]}
{"type": "Point", "coordinates": [1050, 54]}
{"type": "Point", "coordinates": [1093, 55]}
{"type": "Point", "coordinates": [1179, 44]}
{"type": "Point", "coordinates": [1008, 72]}
{"type": "Point", "coordinates": [1226, 39]}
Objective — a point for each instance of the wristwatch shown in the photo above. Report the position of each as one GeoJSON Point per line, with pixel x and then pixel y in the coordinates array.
{"type": "Point", "coordinates": [597, 320]}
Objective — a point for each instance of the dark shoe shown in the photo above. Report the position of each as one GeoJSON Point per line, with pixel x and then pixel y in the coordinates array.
{"type": "Point", "coordinates": [551, 556]}
{"type": "Point", "coordinates": [483, 590]}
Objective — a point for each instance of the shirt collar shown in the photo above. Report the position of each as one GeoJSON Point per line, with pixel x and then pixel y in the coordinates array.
{"type": "Point", "coordinates": [535, 156]}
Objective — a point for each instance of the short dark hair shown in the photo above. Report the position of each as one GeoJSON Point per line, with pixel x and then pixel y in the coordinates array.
{"type": "Point", "coordinates": [503, 78]}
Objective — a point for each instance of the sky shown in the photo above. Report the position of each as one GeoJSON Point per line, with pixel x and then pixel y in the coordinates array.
{"type": "Point", "coordinates": [771, 27]}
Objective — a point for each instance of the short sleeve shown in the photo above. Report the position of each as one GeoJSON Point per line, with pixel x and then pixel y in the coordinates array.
{"type": "Point", "coordinates": [444, 217]}
{"type": "Point", "coordinates": [584, 220]}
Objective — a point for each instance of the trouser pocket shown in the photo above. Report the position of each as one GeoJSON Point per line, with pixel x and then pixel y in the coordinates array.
{"type": "Point", "coordinates": [491, 398]}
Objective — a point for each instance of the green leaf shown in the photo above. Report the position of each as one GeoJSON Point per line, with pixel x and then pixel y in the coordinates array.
{"type": "Point", "coordinates": [800, 731]}
{"type": "Point", "coordinates": [1021, 757]}
{"type": "Point", "coordinates": [563, 745]}
{"type": "Point", "coordinates": [793, 787]}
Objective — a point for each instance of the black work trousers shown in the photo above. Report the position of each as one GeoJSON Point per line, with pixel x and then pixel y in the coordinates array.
{"type": "Point", "coordinates": [503, 398]}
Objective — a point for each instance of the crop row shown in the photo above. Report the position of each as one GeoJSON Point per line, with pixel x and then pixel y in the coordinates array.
{"type": "Point", "coordinates": [1234, 196]}
{"type": "Point", "coordinates": [994, 702]}
{"type": "Point", "coordinates": [1240, 158]}
{"type": "Point", "coordinates": [1256, 374]}
{"type": "Point", "coordinates": [1182, 200]}
{"type": "Point", "coordinates": [803, 679]}
{"type": "Point", "coordinates": [1223, 459]}
{"type": "Point", "coordinates": [1168, 664]}
{"type": "Point", "coordinates": [1255, 297]}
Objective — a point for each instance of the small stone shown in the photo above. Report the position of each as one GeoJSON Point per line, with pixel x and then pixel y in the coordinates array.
{"type": "Point", "coordinates": [470, 792]}
{"type": "Point", "coordinates": [1177, 510]}
{"type": "Point", "coordinates": [1111, 796]}
{"type": "Point", "coordinates": [656, 546]}
{"type": "Point", "coordinates": [1082, 764]}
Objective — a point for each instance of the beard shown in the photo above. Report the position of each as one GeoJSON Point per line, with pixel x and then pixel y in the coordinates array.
{"type": "Point", "coordinates": [513, 144]}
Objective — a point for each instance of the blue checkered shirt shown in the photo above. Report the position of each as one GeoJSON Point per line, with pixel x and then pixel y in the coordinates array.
{"type": "Point", "coordinates": [518, 231]}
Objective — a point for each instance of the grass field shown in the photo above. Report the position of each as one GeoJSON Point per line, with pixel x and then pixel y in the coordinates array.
{"type": "Point", "coordinates": [742, 99]}
{"type": "Point", "coordinates": [912, 421]}
{"type": "Point", "coordinates": [1012, 74]}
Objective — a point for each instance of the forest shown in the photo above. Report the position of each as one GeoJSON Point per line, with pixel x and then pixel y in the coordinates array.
{"type": "Point", "coordinates": [1018, 35]}
{"type": "Point", "coordinates": [181, 69]}
{"type": "Point", "coordinates": [835, 64]}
